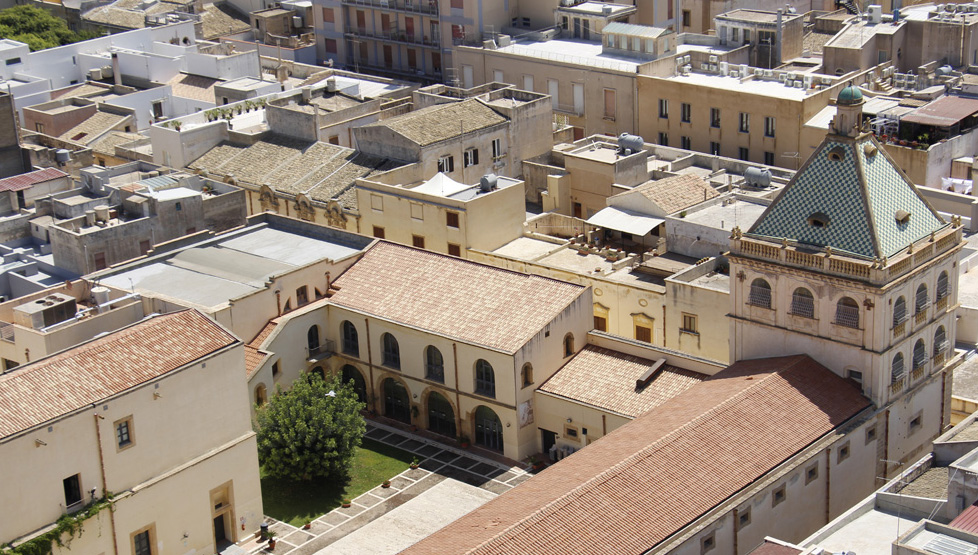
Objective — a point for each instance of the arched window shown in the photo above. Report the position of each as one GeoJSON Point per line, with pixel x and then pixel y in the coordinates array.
{"type": "Point", "coordinates": [568, 344]}
{"type": "Point", "coordinates": [919, 354]}
{"type": "Point", "coordinates": [896, 369]}
{"type": "Point", "coordinates": [760, 293]}
{"type": "Point", "coordinates": [391, 352]}
{"type": "Point", "coordinates": [312, 340]}
{"type": "Point", "coordinates": [441, 417]}
{"type": "Point", "coordinates": [526, 375]}
{"type": "Point", "coordinates": [488, 429]}
{"type": "Point", "coordinates": [920, 300]}
{"type": "Point", "coordinates": [319, 371]}
{"type": "Point", "coordinates": [847, 313]}
{"type": "Point", "coordinates": [485, 378]}
{"type": "Point", "coordinates": [942, 287]}
{"type": "Point", "coordinates": [261, 395]}
{"type": "Point", "coordinates": [803, 303]}
{"type": "Point", "coordinates": [940, 341]}
{"type": "Point", "coordinates": [351, 374]}
{"type": "Point", "coordinates": [351, 340]}
{"type": "Point", "coordinates": [434, 364]}
{"type": "Point", "coordinates": [899, 311]}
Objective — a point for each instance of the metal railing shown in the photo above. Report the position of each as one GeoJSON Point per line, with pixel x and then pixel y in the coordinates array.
{"type": "Point", "coordinates": [802, 306]}
{"type": "Point", "coordinates": [760, 296]}
{"type": "Point", "coordinates": [847, 316]}
{"type": "Point", "coordinates": [425, 7]}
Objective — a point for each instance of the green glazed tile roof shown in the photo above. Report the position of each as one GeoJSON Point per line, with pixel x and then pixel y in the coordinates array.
{"type": "Point", "coordinates": [858, 195]}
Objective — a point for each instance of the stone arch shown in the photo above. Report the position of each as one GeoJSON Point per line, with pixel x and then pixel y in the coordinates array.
{"type": "Point", "coordinates": [396, 397]}
{"type": "Point", "coordinates": [350, 372]}
{"type": "Point", "coordinates": [440, 413]}
{"type": "Point", "coordinates": [267, 198]}
{"type": "Point", "coordinates": [261, 394]}
{"type": "Point", "coordinates": [304, 208]}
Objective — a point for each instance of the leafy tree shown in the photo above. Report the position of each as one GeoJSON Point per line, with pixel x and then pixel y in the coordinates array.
{"type": "Point", "coordinates": [38, 28]}
{"type": "Point", "coordinates": [311, 430]}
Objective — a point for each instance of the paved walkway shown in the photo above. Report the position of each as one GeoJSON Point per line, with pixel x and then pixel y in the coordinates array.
{"type": "Point", "coordinates": [448, 483]}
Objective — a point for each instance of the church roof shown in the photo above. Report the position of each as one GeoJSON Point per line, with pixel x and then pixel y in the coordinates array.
{"type": "Point", "coordinates": [849, 196]}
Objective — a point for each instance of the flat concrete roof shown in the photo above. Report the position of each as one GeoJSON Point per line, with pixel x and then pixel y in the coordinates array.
{"type": "Point", "coordinates": [527, 248]}
{"type": "Point", "coordinates": [871, 533]}
{"type": "Point", "coordinates": [774, 89]}
{"type": "Point", "coordinates": [737, 213]}
{"type": "Point", "coordinates": [585, 53]}
{"type": "Point", "coordinates": [968, 289]}
{"type": "Point", "coordinates": [290, 248]}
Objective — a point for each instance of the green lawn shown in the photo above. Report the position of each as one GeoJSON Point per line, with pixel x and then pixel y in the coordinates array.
{"type": "Point", "coordinates": [297, 502]}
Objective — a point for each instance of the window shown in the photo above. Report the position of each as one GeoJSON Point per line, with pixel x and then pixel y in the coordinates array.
{"type": "Point", "coordinates": [689, 324]}
{"type": "Point", "coordinates": [768, 126]}
{"type": "Point", "coordinates": [276, 369]}
{"type": "Point", "coordinates": [417, 241]}
{"type": "Point", "coordinates": [899, 311]}
{"type": "Point", "coordinates": [568, 344]}
{"type": "Point", "coordinates": [458, 4]}
{"type": "Point", "coordinates": [446, 164]}
{"type": "Point", "coordinates": [843, 453]}
{"type": "Point", "coordinates": [663, 108]}
{"type": "Point", "coordinates": [526, 375]}
{"type": "Point", "coordinates": [301, 295]}
{"type": "Point", "coordinates": [811, 474]}
{"type": "Point", "coordinates": [351, 340]}
{"type": "Point", "coordinates": [330, 45]}
{"type": "Point", "coordinates": [39, 127]}
{"type": "Point", "coordinates": [743, 153]}
{"type": "Point", "coordinates": [760, 293]}
{"type": "Point", "coordinates": [768, 158]}
{"type": "Point", "coordinates": [485, 379]}
{"type": "Point", "coordinates": [663, 139]}
{"type": "Point", "coordinates": [73, 492]}
{"type": "Point", "coordinates": [743, 517]}
{"type": "Point", "coordinates": [714, 148]}
{"type": "Point", "coordinates": [870, 434]}
{"type": "Point", "coordinates": [451, 219]}
{"type": "Point", "coordinates": [847, 313]}
{"type": "Point", "coordinates": [920, 300]}
{"type": "Point", "coordinates": [123, 433]}
{"type": "Point", "coordinates": [610, 107]}
{"type": "Point", "coordinates": [687, 17]}
{"type": "Point", "coordinates": [417, 211]}
{"type": "Point", "coordinates": [378, 232]}
{"type": "Point", "coordinates": [527, 82]}
{"type": "Point", "coordinates": [803, 303]}
{"type": "Point", "coordinates": [746, 35]}
{"type": "Point", "coordinates": [714, 117]}
{"type": "Point", "coordinates": [100, 261]}
{"type": "Point", "coordinates": [179, 207]}
{"type": "Point", "coordinates": [735, 34]}
{"type": "Point", "coordinates": [391, 352]}
{"type": "Point", "coordinates": [919, 354]}
{"type": "Point", "coordinates": [497, 149]}
{"type": "Point", "coordinates": [942, 287]}
{"type": "Point", "coordinates": [454, 250]}
{"type": "Point", "coordinates": [940, 341]}
{"type": "Point", "coordinates": [144, 246]}
{"type": "Point", "coordinates": [377, 203]}
{"type": "Point", "coordinates": [855, 375]}
{"type": "Point", "coordinates": [434, 364]}
{"type": "Point", "coordinates": [709, 541]}
{"type": "Point", "coordinates": [526, 21]}
{"type": "Point", "coordinates": [915, 423]}
{"type": "Point", "coordinates": [896, 368]}
{"type": "Point", "coordinates": [778, 495]}
{"type": "Point", "coordinates": [470, 157]}
{"type": "Point", "coordinates": [685, 112]}
{"type": "Point", "coordinates": [600, 323]}
{"type": "Point", "coordinates": [328, 15]}
{"type": "Point", "coordinates": [744, 122]}
{"type": "Point", "coordinates": [12, 61]}
{"type": "Point", "coordinates": [685, 143]}
{"type": "Point", "coordinates": [141, 544]}
{"type": "Point", "coordinates": [643, 333]}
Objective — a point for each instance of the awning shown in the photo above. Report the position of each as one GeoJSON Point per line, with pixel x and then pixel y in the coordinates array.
{"type": "Point", "coordinates": [943, 112]}
{"type": "Point", "coordinates": [624, 221]}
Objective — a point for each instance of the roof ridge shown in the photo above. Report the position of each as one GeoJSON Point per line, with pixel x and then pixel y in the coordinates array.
{"type": "Point", "coordinates": [615, 470]}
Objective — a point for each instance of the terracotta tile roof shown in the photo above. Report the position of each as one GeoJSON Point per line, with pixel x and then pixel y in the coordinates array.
{"type": "Point", "coordinates": [774, 548]}
{"type": "Point", "coordinates": [263, 334]}
{"type": "Point", "coordinates": [676, 193]}
{"type": "Point", "coordinates": [443, 121]}
{"type": "Point", "coordinates": [967, 520]}
{"type": "Point", "coordinates": [33, 394]}
{"type": "Point", "coordinates": [675, 462]}
{"type": "Point", "coordinates": [253, 359]}
{"type": "Point", "coordinates": [449, 296]}
{"type": "Point", "coordinates": [29, 179]}
{"type": "Point", "coordinates": [606, 379]}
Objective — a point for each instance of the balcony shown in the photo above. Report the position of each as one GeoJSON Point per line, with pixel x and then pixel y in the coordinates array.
{"type": "Point", "coordinates": [424, 7]}
{"type": "Point", "coordinates": [920, 317]}
{"type": "Point", "coordinates": [941, 304]}
{"type": "Point", "coordinates": [938, 360]}
{"type": "Point", "coordinates": [900, 328]}
{"type": "Point", "coordinates": [897, 386]}
{"type": "Point", "coordinates": [917, 373]}
{"type": "Point", "coordinates": [325, 349]}
{"type": "Point", "coordinates": [396, 37]}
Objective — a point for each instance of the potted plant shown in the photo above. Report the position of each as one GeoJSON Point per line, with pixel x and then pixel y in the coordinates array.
{"type": "Point", "coordinates": [536, 464]}
{"type": "Point", "coordinates": [346, 503]}
{"type": "Point", "coordinates": [177, 125]}
{"type": "Point", "coordinates": [307, 525]}
{"type": "Point", "coordinates": [271, 540]}
{"type": "Point", "coordinates": [414, 463]}
{"type": "Point", "coordinates": [386, 484]}
{"type": "Point", "coordinates": [463, 441]}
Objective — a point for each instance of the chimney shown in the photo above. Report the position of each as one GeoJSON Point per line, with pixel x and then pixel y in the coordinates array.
{"type": "Point", "coordinates": [116, 74]}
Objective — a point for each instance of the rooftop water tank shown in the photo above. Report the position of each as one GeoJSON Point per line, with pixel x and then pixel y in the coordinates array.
{"type": "Point", "coordinates": [488, 182]}
{"type": "Point", "coordinates": [757, 177]}
{"type": "Point", "coordinates": [628, 144]}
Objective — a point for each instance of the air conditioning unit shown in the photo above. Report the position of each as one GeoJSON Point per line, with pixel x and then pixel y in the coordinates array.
{"type": "Point", "coordinates": [705, 66]}
{"type": "Point", "coordinates": [735, 74]}
{"type": "Point", "coordinates": [297, 22]}
{"type": "Point", "coordinates": [47, 311]}
{"type": "Point", "coordinates": [713, 59]}
{"type": "Point", "coordinates": [724, 67]}
{"type": "Point", "coordinates": [758, 71]}
{"type": "Point", "coordinates": [713, 67]}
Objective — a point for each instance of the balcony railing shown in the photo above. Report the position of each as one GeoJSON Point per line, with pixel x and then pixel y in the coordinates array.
{"type": "Point", "coordinates": [917, 373]}
{"type": "Point", "coordinates": [920, 317]}
{"type": "Point", "coordinates": [897, 386]}
{"type": "Point", "coordinates": [396, 36]}
{"type": "Point", "coordinates": [759, 296]}
{"type": "Point", "coordinates": [7, 331]}
{"type": "Point", "coordinates": [323, 350]}
{"type": "Point", "coordinates": [941, 303]}
{"type": "Point", "coordinates": [425, 7]}
{"type": "Point", "coordinates": [847, 316]}
{"type": "Point", "coordinates": [938, 359]}
{"type": "Point", "coordinates": [898, 329]}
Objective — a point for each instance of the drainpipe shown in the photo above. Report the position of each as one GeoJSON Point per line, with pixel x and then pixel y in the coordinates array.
{"type": "Point", "coordinates": [370, 366]}
{"type": "Point", "coordinates": [105, 487]}
{"type": "Point", "coordinates": [458, 401]}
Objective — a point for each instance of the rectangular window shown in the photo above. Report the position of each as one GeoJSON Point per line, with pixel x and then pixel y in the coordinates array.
{"type": "Point", "coordinates": [870, 434]}
{"type": "Point", "coordinates": [811, 474]}
{"type": "Point", "coordinates": [714, 117]}
{"type": "Point", "coordinates": [100, 261]}
{"type": "Point", "coordinates": [663, 139]}
{"type": "Point", "coordinates": [685, 143]}
{"type": "Point", "coordinates": [709, 541]}
{"type": "Point", "coordinates": [527, 82]}
{"type": "Point", "coordinates": [328, 15]}
{"type": "Point", "coordinates": [778, 496]}
{"type": "Point", "coordinates": [843, 453]}
{"type": "Point", "coordinates": [687, 18]}
{"type": "Point", "coordinates": [330, 44]}
{"type": "Point", "coordinates": [497, 76]}
{"type": "Point", "coordinates": [600, 323]}
{"type": "Point", "coordinates": [301, 295]}
{"type": "Point", "coordinates": [142, 542]}
{"type": "Point", "coordinates": [13, 61]}
{"type": "Point", "coordinates": [334, 139]}
{"type": "Point", "coordinates": [743, 517]}
{"type": "Point", "coordinates": [470, 157]}
{"type": "Point", "coordinates": [855, 375]}
{"type": "Point", "coordinates": [663, 108]}
{"type": "Point", "coordinates": [609, 104]}
{"type": "Point", "coordinates": [276, 368]}
{"type": "Point", "coordinates": [377, 202]}
{"type": "Point", "coordinates": [643, 333]}
{"type": "Point", "coordinates": [769, 158]}
{"type": "Point", "coordinates": [458, 4]}
{"type": "Point", "coordinates": [746, 35]}
{"type": "Point", "coordinates": [497, 149]}
{"type": "Point", "coordinates": [451, 219]}
{"type": "Point", "coordinates": [915, 423]}
{"type": "Point", "coordinates": [526, 21]}
{"type": "Point", "coordinates": [417, 211]}
{"type": "Point", "coordinates": [73, 492]}
{"type": "Point", "coordinates": [39, 127]}
{"type": "Point", "coordinates": [768, 126]}
{"type": "Point", "coordinates": [378, 232]}
{"type": "Point", "coordinates": [744, 122]}
{"type": "Point", "coordinates": [417, 241]}
{"type": "Point", "coordinates": [123, 433]}
{"type": "Point", "coordinates": [743, 153]}
{"type": "Point", "coordinates": [714, 148]}
{"type": "Point", "coordinates": [578, 90]}
{"type": "Point", "coordinates": [446, 164]}
{"type": "Point", "coordinates": [685, 112]}
{"type": "Point", "coordinates": [689, 324]}
{"type": "Point", "coordinates": [454, 250]}
{"type": "Point", "coordinates": [735, 34]}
